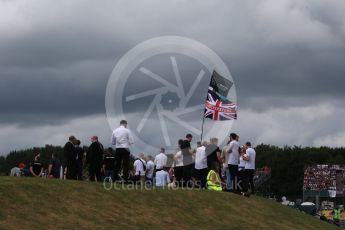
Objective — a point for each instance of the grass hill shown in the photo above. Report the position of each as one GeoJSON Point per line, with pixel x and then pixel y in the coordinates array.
{"type": "Point", "coordinates": [32, 203]}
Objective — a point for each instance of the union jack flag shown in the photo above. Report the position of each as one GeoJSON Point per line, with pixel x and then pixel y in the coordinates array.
{"type": "Point", "coordinates": [218, 109]}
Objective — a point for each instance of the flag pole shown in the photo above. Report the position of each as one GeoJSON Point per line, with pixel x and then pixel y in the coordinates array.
{"type": "Point", "coordinates": [202, 127]}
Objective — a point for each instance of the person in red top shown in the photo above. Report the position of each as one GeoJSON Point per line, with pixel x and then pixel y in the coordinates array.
{"type": "Point", "coordinates": [21, 165]}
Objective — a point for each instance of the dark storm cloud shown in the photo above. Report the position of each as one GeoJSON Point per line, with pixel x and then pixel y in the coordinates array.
{"type": "Point", "coordinates": [56, 57]}
{"type": "Point", "coordinates": [291, 77]}
{"type": "Point", "coordinates": [40, 94]}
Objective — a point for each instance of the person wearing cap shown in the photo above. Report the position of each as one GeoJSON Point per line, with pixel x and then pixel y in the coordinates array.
{"type": "Point", "coordinates": [94, 158]}
{"type": "Point", "coordinates": [70, 163]}
{"type": "Point", "coordinates": [122, 139]}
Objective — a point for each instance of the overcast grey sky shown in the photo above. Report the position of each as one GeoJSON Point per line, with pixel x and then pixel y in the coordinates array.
{"type": "Point", "coordinates": [286, 58]}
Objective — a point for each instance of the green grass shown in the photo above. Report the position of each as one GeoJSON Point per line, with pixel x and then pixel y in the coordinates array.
{"type": "Point", "coordinates": [51, 204]}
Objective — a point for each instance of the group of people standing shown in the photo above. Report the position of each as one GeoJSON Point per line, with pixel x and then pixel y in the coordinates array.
{"type": "Point", "coordinates": [207, 166]}
{"type": "Point", "coordinates": [97, 158]}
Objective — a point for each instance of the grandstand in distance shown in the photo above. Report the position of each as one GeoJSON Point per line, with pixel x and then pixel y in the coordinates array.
{"type": "Point", "coordinates": [324, 181]}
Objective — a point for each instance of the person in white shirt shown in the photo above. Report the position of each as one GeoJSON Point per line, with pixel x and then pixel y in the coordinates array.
{"type": "Point", "coordinates": [178, 165]}
{"type": "Point", "coordinates": [150, 167]}
{"type": "Point", "coordinates": [241, 166]}
{"type": "Point", "coordinates": [122, 139]}
{"type": "Point", "coordinates": [249, 168]}
{"type": "Point", "coordinates": [162, 178]}
{"type": "Point", "coordinates": [201, 170]}
{"type": "Point", "coordinates": [161, 159]}
{"type": "Point", "coordinates": [140, 169]}
{"type": "Point", "coordinates": [234, 157]}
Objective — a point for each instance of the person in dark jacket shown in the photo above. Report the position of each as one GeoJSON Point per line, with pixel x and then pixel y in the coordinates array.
{"type": "Point", "coordinates": [80, 158]}
{"type": "Point", "coordinates": [109, 164]}
{"type": "Point", "coordinates": [94, 158]}
{"type": "Point", "coordinates": [69, 151]}
{"type": "Point", "coordinates": [213, 153]}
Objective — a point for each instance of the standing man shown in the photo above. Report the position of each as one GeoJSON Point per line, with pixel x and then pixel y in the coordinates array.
{"type": "Point", "coordinates": [109, 164]}
{"type": "Point", "coordinates": [140, 169]}
{"type": "Point", "coordinates": [201, 170]}
{"type": "Point", "coordinates": [187, 154]}
{"type": "Point", "coordinates": [94, 158]}
{"type": "Point", "coordinates": [122, 139]}
{"type": "Point", "coordinates": [249, 168]}
{"type": "Point", "coordinates": [79, 159]}
{"type": "Point", "coordinates": [234, 157]}
{"type": "Point", "coordinates": [161, 160]}
{"type": "Point", "coordinates": [69, 151]}
{"type": "Point", "coordinates": [150, 167]}
{"type": "Point", "coordinates": [178, 165]}
{"type": "Point", "coordinates": [213, 152]}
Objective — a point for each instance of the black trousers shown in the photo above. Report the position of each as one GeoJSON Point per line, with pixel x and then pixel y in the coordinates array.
{"type": "Point", "coordinates": [233, 169]}
{"type": "Point", "coordinates": [121, 159]}
{"type": "Point", "coordinates": [95, 172]}
{"type": "Point", "coordinates": [240, 178]}
{"type": "Point", "coordinates": [201, 176]}
{"type": "Point", "coordinates": [80, 171]}
{"type": "Point", "coordinates": [187, 175]}
{"type": "Point", "coordinates": [248, 180]}
{"type": "Point", "coordinates": [72, 172]}
{"type": "Point", "coordinates": [178, 173]}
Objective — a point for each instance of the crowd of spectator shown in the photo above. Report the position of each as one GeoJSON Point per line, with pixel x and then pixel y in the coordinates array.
{"type": "Point", "coordinates": [321, 177]}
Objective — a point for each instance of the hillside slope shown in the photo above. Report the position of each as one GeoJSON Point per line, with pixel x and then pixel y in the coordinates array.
{"type": "Point", "coordinates": [50, 204]}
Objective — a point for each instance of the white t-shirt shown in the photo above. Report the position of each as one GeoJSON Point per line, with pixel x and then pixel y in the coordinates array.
{"type": "Point", "coordinates": [162, 178]}
{"type": "Point", "coordinates": [161, 161]}
{"type": "Point", "coordinates": [139, 167]}
{"type": "Point", "coordinates": [150, 166]}
{"type": "Point", "coordinates": [122, 138]}
{"type": "Point", "coordinates": [250, 152]}
{"type": "Point", "coordinates": [234, 154]}
{"type": "Point", "coordinates": [178, 159]}
{"type": "Point", "coordinates": [200, 158]}
{"type": "Point", "coordinates": [242, 164]}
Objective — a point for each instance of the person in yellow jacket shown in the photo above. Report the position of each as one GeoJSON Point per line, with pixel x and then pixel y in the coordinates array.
{"type": "Point", "coordinates": [336, 214]}
{"type": "Point", "coordinates": [213, 179]}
